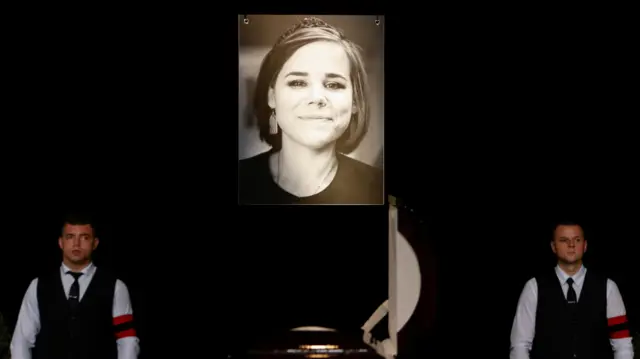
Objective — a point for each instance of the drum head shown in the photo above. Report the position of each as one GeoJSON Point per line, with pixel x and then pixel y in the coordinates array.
{"type": "Point", "coordinates": [408, 281]}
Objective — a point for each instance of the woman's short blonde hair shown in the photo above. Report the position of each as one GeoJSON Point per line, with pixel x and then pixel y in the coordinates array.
{"type": "Point", "coordinates": [307, 31]}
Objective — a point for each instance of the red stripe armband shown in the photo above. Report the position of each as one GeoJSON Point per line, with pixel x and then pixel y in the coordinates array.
{"type": "Point", "coordinates": [619, 327]}
{"type": "Point", "coordinates": [123, 326]}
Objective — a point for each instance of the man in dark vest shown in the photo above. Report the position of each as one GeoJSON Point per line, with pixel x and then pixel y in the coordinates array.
{"type": "Point", "coordinates": [77, 311]}
{"type": "Point", "coordinates": [569, 312]}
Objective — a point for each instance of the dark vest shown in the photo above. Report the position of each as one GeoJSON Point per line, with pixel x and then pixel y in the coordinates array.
{"type": "Point", "coordinates": [86, 334]}
{"type": "Point", "coordinates": [565, 332]}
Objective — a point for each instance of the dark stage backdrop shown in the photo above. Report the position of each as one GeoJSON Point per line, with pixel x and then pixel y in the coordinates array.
{"type": "Point", "coordinates": [489, 135]}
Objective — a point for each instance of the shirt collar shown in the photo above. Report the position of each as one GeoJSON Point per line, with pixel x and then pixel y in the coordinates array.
{"type": "Point", "coordinates": [85, 271]}
{"type": "Point", "coordinates": [578, 278]}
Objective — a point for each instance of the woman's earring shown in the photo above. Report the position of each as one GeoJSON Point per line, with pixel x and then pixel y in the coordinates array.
{"type": "Point", "coordinates": [273, 124]}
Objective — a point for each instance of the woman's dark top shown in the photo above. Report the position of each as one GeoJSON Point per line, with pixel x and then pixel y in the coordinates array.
{"type": "Point", "coordinates": [354, 183]}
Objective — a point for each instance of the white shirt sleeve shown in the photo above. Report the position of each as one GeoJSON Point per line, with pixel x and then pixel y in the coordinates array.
{"type": "Point", "coordinates": [28, 325]}
{"type": "Point", "coordinates": [523, 330]}
{"type": "Point", "coordinates": [617, 314]}
{"type": "Point", "coordinates": [524, 323]}
{"type": "Point", "coordinates": [128, 343]}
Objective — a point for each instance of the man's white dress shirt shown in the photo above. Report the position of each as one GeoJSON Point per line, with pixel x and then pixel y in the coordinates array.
{"type": "Point", "coordinates": [28, 325]}
{"type": "Point", "coordinates": [524, 323]}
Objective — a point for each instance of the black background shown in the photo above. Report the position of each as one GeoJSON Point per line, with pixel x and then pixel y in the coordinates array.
{"type": "Point", "coordinates": [493, 129]}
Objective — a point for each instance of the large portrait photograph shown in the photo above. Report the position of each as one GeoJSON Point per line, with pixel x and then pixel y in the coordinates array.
{"type": "Point", "coordinates": [311, 110]}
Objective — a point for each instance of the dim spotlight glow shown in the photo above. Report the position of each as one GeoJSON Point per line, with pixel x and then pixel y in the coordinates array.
{"type": "Point", "coordinates": [319, 346]}
{"type": "Point", "coordinates": [312, 329]}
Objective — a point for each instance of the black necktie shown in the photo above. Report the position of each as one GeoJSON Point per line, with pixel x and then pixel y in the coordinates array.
{"type": "Point", "coordinates": [74, 292]}
{"type": "Point", "coordinates": [571, 294]}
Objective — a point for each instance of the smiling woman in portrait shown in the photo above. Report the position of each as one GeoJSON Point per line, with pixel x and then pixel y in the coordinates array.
{"type": "Point", "coordinates": [311, 107]}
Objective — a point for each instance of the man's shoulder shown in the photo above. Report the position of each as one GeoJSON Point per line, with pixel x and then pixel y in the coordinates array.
{"type": "Point", "coordinates": [112, 278]}
{"type": "Point", "coordinates": [530, 286]}
{"type": "Point", "coordinates": [596, 276]}
{"type": "Point", "coordinates": [106, 276]}
{"type": "Point", "coordinates": [121, 285]}
{"type": "Point", "coordinates": [46, 276]}
{"type": "Point", "coordinates": [545, 275]}
{"type": "Point", "coordinates": [595, 273]}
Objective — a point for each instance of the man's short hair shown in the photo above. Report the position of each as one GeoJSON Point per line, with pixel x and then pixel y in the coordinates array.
{"type": "Point", "coordinates": [77, 218]}
{"type": "Point", "coordinates": [567, 222]}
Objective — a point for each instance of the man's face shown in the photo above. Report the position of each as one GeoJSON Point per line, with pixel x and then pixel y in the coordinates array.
{"type": "Point", "coordinates": [569, 244]}
{"type": "Point", "coordinates": [77, 243]}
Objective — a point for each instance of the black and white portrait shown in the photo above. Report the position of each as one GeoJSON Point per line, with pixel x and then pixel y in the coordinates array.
{"type": "Point", "coordinates": [311, 105]}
